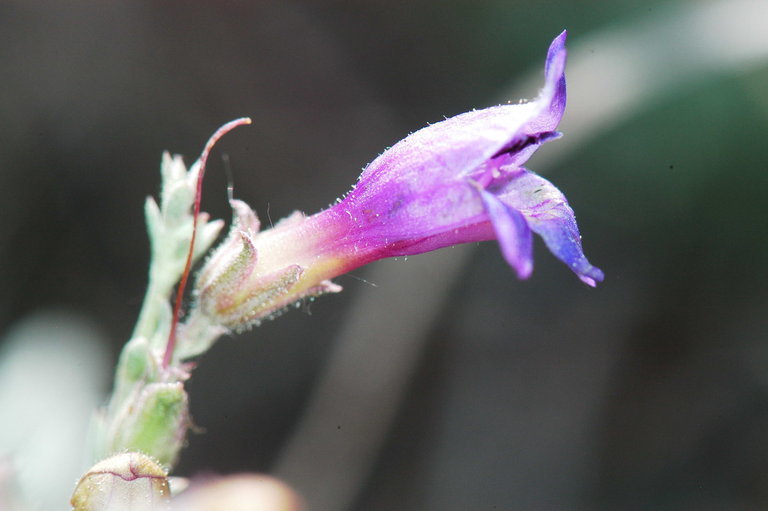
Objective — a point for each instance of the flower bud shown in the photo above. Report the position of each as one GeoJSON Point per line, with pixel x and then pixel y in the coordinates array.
{"type": "Point", "coordinates": [129, 481]}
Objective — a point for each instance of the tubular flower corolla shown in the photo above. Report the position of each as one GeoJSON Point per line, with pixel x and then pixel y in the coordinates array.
{"type": "Point", "coordinates": [456, 181]}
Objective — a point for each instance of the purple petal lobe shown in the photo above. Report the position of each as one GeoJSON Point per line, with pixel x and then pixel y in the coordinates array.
{"type": "Point", "coordinates": [512, 232]}
{"type": "Point", "coordinates": [555, 63]}
{"type": "Point", "coordinates": [552, 98]}
{"type": "Point", "coordinates": [549, 215]}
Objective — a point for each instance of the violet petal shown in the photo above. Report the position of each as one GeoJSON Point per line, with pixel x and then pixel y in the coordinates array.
{"type": "Point", "coordinates": [512, 232]}
{"type": "Point", "coordinates": [549, 215]}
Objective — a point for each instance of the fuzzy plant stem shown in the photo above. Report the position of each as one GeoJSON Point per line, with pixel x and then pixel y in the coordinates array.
{"type": "Point", "coordinates": [148, 409]}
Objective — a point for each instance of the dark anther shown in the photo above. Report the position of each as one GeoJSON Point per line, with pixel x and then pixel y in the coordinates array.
{"type": "Point", "coordinates": [520, 144]}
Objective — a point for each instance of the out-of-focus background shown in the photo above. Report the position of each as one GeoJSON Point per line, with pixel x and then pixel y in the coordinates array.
{"type": "Point", "coordinates": [439, 382]}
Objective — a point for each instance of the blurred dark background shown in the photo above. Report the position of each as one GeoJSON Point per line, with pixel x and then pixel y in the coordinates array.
{"type": "Point", "coordinates": [648, 392]}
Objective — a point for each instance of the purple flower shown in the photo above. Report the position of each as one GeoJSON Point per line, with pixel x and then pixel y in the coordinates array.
{"type": "Point", "coordinates": [457, 181]}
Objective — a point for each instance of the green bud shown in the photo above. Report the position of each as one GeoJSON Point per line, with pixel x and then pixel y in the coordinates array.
{"type": "Point", "coordinates": [155, 423]}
